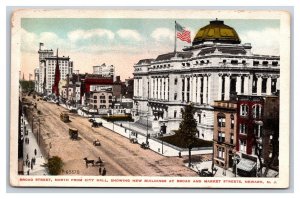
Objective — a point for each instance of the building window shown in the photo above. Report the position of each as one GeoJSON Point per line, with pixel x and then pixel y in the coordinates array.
{"type": "Point", "coordinates": [175, 114]}
{"type": "Point", "coordinates": [95, 101]}
{"type": "Point", "coordinates": [264, 85]}
{"type": "Point", "coordinates": [231, 138]}
{"type": "Point", "coordinates": [95, 106]}
{"type": "Point", "coordinates": [175, 81]}
{"type": "Point", "coordinates": [232, 121]}
{"type": "Point", "coordinates": [243, 110]}
{"type": "Point", "coordinates": [221, 120]}
{"type": "Point", "coordinates": [256, 111]}
{"type": "Point", "coordinates": [110, 97]}
{"type": "Point", "coordinates": [258, 130]}
{"type": "Point", "coordinates": [243, 146]}
{"type": "Point", "coordinates": [273, 85]}
{"type": "Point", "coordinates": [243, 128]}
{"type": "Point", "coordinates": [255, 63]}
{"type": "Point", "coordinates": [175, 96]}
{"type": "Point", "coordinates": [221, 136]}
{"type": "Point", "coordinates": [221, 152]}
{"type": "Point", "coordinates": [95, 97]}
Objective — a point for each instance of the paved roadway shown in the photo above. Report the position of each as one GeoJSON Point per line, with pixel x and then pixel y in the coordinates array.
{"type": "Point", "coordinates": [121, 157]}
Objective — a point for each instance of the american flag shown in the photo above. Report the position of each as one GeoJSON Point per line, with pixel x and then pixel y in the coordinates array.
{"type": "Point", "coordinates": [182, 34]}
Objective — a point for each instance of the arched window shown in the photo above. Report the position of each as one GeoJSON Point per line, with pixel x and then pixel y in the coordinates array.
{"type": "Point", "coordinates": [221, 119]}
{"type": "Point", "coordinates": [256, 111]}
{"type": "Point", "coordinates": [244, 110]}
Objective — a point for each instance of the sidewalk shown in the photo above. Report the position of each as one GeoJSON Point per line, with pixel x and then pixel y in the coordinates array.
{"type": "Point", "coordinates": [29, 152]}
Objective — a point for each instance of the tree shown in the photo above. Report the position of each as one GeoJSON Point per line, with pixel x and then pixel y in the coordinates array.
{"type": "Point", "coordinates": [188, 128]}
{"type": "Point", "coordinates": [55, 165]}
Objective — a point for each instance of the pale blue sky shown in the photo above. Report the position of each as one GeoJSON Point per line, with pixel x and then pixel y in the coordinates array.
{"type": "Point", "coordinates": [122, 42]}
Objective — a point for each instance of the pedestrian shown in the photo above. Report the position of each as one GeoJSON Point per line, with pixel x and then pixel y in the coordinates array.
{"type": "Point", "coordinates": [104, 172]}
{"type": "Point", "coordinates": [31, 166]}
{"type": "Point", "coordinates": [35, 152]}
{"type": "Point", "coordinates": [34, 161]}
{"type": "Point", "coordinates": [100, 170]}
{"type": "Point", "coordinates": [28, 172]}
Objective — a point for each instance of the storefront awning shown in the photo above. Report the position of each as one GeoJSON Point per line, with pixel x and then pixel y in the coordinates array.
{"type": "Point", "coordinates": [246, 165]}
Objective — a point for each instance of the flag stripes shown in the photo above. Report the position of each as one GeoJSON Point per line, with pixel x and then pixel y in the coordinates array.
{"type": "Point", "coordinates": [184, 36]}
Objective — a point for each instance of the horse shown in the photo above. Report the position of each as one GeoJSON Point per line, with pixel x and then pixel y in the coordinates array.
{"type": "Point", "coordinates": [87, 162]}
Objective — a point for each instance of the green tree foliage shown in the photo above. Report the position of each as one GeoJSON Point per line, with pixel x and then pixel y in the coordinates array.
{"type": "Point", "coordinates": [55, 165]}
{"type": "Point", "coordinates": [27, 86]}
{"type": "Point", "coordinates": [188, 128]}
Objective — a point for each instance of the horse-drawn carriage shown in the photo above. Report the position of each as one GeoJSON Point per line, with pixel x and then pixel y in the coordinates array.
{"type": "Point", "coordinates": [99, 162]}
{"type": "Point", "coordinates": [73, 133]}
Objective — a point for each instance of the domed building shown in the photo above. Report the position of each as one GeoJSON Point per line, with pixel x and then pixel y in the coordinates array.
{"type": "Point", "coordinates": [216, 67]}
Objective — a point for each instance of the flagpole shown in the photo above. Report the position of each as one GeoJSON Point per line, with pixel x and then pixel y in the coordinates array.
{"type": "Point", "coordinates": [175, 38]}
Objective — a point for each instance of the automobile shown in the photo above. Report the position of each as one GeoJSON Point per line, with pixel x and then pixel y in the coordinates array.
{"type": "Point", "coordinates": [73, 133]}
{"type": "Point", "coordinates": [96, 124]}
{"type": "Point", "coordinates": [64, 117]}
{"type": "Point", "coordinates": [96, 143]}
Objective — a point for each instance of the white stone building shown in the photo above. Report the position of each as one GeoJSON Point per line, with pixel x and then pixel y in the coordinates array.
{"type": "Point", "coordinates": [46, 69]}
{"type": "Point", "coordinates": [105, 70]}
{"type": "Point", "coordinates": [216, 66]}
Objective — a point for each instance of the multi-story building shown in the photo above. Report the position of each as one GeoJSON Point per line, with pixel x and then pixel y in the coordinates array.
{"type": "Point", "coordinates": [100, 100]}
{"type": "Point", "coordinates": [105, 70]}
{"type": "Point", "coordinates": [257, 133]}
{"type": "Point", "coordinates": [46, 69]}
{"type": "Point", "coordinates": [214, 67]}
{"type": "Point", "coordinates": [225, 119]}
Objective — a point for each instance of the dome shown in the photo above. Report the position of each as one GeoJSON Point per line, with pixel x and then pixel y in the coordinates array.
{"type": "Point", "coordinates": [216, 31]}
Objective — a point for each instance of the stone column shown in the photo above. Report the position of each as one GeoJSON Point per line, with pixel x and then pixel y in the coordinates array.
{"type": "Point", "coordinates": [159, 87]}
{"type": "Point", "coordinates": [205, 90]}
{"type": "Point", "coordinates": [185, 88]}
{"type": "Point", "coordinates": [238, 85]}
{"type": "Point", "coordinates": [134, 87]}
{"type": "Point", "coordinates": [200, 85]}
{"type": "Point", "coordinates": [194, 89]}
{"type": "Point", "coordinates": [191, 88]}
{"type": "Point", "coordinates": [198, 90]}
{"type": "Point", "coordinates": [259, 83]}
{"type": "Point", "coordinates": [246, 84]}
{"type": "Point", "coordinates": [164, 89]}
{"type": "Point", "coordinates": [209, 87]}
{"type": "Point", "coordinates": [227, 87]}
{"type": "Point", "coordinates": [220, 86]}
{"type": "Point", "coordinates": [269, 84]}
{"type": "Point", "coordinates": [167, 89]}
{"type": "Point", "coordinates": [154, 87]}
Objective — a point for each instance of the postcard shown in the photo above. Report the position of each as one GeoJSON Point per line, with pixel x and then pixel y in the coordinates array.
{"type": "Point", "coordinates": [169, 98]}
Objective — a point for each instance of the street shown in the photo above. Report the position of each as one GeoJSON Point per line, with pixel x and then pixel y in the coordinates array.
{"type": "Point", "coordinates": [121, 158]}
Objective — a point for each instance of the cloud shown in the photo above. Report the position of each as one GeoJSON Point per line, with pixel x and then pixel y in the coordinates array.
{"type": "Point", "coordinates": [265, 41]}
{"type": "Point", "coordinates": [128, 34]}
{"type": "Point", "coordinates": [77, 35]}
{"type": "Point", "coordinates": [160, 34]}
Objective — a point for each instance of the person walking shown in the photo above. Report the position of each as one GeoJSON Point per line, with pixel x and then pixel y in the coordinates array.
{"type": "Point", "coordinates": [35, 152]}
{"type": "Point", "coordinates": [100, 169]}
{"type": "Point", "coordinates": [104, 172]}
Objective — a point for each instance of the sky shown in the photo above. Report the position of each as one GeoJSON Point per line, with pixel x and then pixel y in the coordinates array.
{"type": "Point", "coordinates": [123, 42]}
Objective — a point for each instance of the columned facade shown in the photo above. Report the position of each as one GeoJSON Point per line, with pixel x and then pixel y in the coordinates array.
{"type": "Point", "coordinates": [202, 74]}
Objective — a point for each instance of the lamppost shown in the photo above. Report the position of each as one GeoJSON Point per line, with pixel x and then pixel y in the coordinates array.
{"type": "Point", "coordinates": [235, 158]}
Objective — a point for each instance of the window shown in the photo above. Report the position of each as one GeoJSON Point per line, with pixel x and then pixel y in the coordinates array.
{"type": "Point", "coordinates": [221, 136]}
{"type": "Point", "coordinates": [243, 128]}
{"type": "Point", "coordinates": [265, 63]}
{"type": "Point", "coordinates": [110, 97]}
{"type": "Point", "coordinates": [175, 114]}
{"type": "Point", "coordinates": [95, 101]}
{"type": "Point", "coordinates": [221, 152]}
{"type": "Point", "coordinates": [256, 111]}
{"type": "Point", "coordinates": [258, 130]}
{"type": "Point", "coordinates": [264, 85]}
{"type": "Point", "coordinates": [231, 138]}
{"type": "Point", "coordinates": [255, 63]}
{"type": "Point", "coordinates": [243, 146]}
{"type": "Point", "coordinates": [175, 96]}
{"type": "Point", "coordinates": [175, 81]}
{"type": "Point", "coordinates": [234, 62]}
{"type": "Point", "coordinates": [221, 120]}
{"type": "Point", "coordinates": [231, 121]}
{"type": "Point", "coordinates": [95, 97]}
{"type": "Point", "coordinates": [243, 110]}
